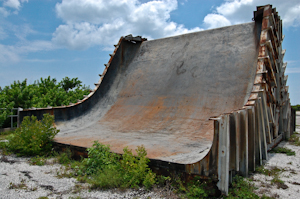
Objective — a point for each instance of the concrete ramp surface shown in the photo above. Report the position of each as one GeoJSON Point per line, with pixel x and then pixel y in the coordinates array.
{"type": "Point", "coordinates": [163, 95]}
{"type": "Point", "coordinates": [209, 103]}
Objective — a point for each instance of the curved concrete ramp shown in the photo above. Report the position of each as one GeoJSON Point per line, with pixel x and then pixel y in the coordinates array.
{"type": "Point", "coordinates": [209, 103]}
{"type": "Point", "coordinates": [162, 93]}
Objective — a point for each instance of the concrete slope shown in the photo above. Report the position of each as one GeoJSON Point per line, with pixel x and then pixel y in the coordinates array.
{"type": "Point", "coordinates": [162, 93]}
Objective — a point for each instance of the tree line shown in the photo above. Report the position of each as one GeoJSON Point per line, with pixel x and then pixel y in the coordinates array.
{"type": "Point", "coordinates": [42, 93]}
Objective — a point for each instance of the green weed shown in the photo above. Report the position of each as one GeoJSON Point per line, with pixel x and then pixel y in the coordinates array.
{"type": "Point", "coordinates": [106, 178]}
{"type": "Point", "coordinates": [269, 172]}
{"type": "Point", "coordinates": [37, 160]}
{"type": "Point", "coordinates": [21, 185]}
{"type": "Point", "coordinates": [3, 145]}
{"type": "Point", "coordinates": [287, 151]}
{"type": "Point", "coordinates": [5, 134]}
{"type": "Point", "coordinates": [241, 189]}
{"type": "Point", "coordinates": [280, 184]}
{"type": "Point", "coordinates": [64, 157]}
{"type": "Point", "coordinates": [197, 189]}
{"type": "Point", "coordinates": [109, 170]}
{"type": "Point", "coordinates": [295, 139]}
{"type": "Point", "coordinates": [135, 169]}
{"type": "Point", "coordinates": [33, 137]}
{"type": "Point", "coordinates": [274, 171]}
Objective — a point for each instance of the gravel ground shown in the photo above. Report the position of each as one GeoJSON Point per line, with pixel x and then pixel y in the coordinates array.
{"type": "Point", "coordinates": [19, 179]}
{"type": "Point", "coordinates": [289, 173]}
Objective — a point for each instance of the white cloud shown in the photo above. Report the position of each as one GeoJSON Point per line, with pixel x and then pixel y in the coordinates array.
{"type": "Point", "coordinates": [3, 34]}
{"type": "Point", "coordinates": [12, 54]}
{"type": "Point", "coordinates": [292, 18]}
{"type": "Point", "coordinates": [8, 54]}
{"type": "Point", "coordinates": [230, 7]}
{"type": "Point", "coordinates": [93, 11]}
{"type": "Point", "coordinates": [97, 22]}
{"type": "Point", "coordinates": [215, 21]}
{"type": "Point", "coordinates": [292, 70]}
{"type": "Point", "coordinates": [34, 46]}
{"type": "Point", "coordinates": [22, 31]}
{"type": "Point", "coordinates": [4, 12]}
{"type": "Point", "coordinates": [41, 60]}
{"type": "Point", "coordinates": [237, 11]}
{"type": "Point", "coordinates": [13, 4]}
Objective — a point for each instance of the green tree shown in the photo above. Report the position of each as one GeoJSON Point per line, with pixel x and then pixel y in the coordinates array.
{"type": "Point", "coordinates": [42, 93]}
{"type": "Point", "coordinates": [68, 84]}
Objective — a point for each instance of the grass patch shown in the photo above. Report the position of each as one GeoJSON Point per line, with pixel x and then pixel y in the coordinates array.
{"type": "Point", "coordinates": [5, 134]}
{"type": "Point", "coordinates": [269, 172]}
{"type": "Point", "coordinates": [280, 184]}
{"type": "Point", "coordinates": [21, 185]}
{"type": "Point", "coordinates": [37, 160]}
{"type": "Point", "coordinates": [198, 188]}
{"type": "Point", "coordinates": [295, 139]}
{"type": "Point", "coordinates": [3, 144]}
{"type": "Point", "coordinates": [274, 171]}
{"type": "Point", "coordinates": [287, 151]}
{"type": "Point", "coordinates": [241, 188]}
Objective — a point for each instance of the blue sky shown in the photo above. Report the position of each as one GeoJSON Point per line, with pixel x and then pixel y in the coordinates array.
{"type": "Point", "coordinates": [73, 38]}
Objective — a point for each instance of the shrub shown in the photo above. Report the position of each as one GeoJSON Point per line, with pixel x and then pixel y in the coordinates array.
{"type": "Point", "coordinates": [136, 168]}
{"type": "Point", "coordinates": [107, 178]}
{"type": "Point", "coordinates": [109, 170]}
{"type": "Point", "coordinates": [33, 137]}
{"type": "Point", "coordinates": [99, 157]}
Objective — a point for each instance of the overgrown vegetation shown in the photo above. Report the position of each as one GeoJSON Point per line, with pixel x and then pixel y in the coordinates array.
{"type": "Point", "coordinates": [287, 151]}
{"type": "Point", "coordinates": [104, 169]}
{"type": "Point", "coordinates": [273, 171]}
{"type": "Point", "coordinates": [294, 139]}
{"type": "Point", "coordinates": [5, 134]}
{"type": "Point", "coordinates": [197, 188]}
{"type": "Point", "coordinates": [296, 107]}
{"type": "Point", "coordinates": [33, 137]}
{"type": "Point", "coordinates": [241, 188]}
{"type": "Point", "coordinates": [40, 94]}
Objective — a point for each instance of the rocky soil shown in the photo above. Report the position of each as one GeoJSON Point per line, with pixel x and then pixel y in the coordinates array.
{"type": "Point", "coordinates": [19, 179]}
